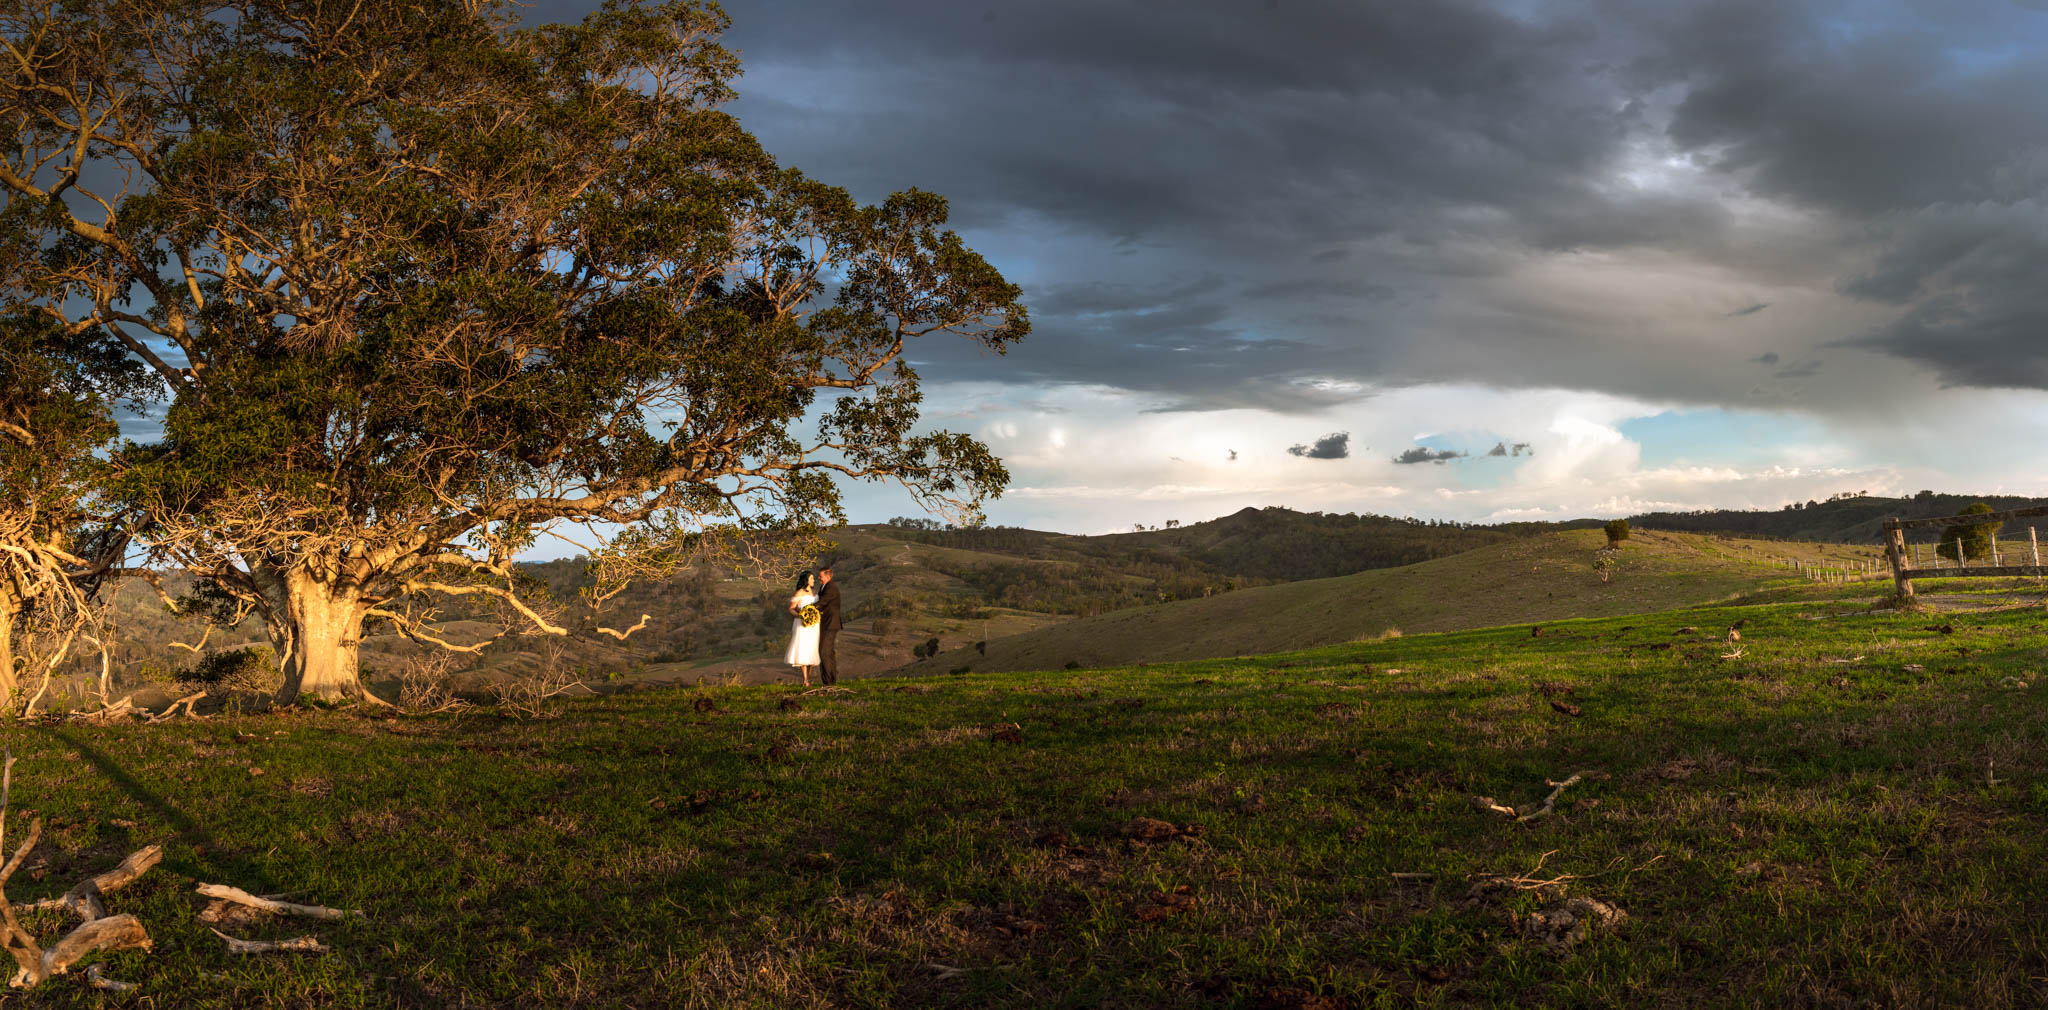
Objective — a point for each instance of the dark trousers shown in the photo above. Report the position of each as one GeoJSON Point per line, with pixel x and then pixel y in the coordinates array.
{"type": "Point", "coordinates": [828, 657]}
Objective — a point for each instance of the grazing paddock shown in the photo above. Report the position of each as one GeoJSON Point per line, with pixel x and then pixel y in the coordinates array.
{"type": "Point", "coordinates": [1841, 807]}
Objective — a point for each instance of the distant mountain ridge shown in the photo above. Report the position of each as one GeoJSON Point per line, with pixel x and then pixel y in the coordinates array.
{"type": "Point", "coordinates": [1852, 520]}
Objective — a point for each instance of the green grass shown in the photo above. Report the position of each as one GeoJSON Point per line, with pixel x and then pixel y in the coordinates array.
{"type": "Point", "coordinates": [1548, 577]}
{"type": "Point", "coordinates": [1781, 828]}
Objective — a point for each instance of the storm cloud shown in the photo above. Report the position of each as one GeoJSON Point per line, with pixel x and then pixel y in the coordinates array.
{"type": "Point", "coordinates": [1286, 206]}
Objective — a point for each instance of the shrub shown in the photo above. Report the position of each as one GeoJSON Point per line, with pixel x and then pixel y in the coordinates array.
{"type": "Point", "coordinates": [1971, 542]}
{"type": "Point", "coordinates": [1617, 531]}
{"type": "Point", "coordinates": [1073, 664]}
{"type": "Point", "coordinates": [249, 668]}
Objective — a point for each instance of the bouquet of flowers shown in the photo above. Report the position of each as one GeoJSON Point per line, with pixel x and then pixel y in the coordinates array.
{"type": "Point", "coordinates": [810, 616]}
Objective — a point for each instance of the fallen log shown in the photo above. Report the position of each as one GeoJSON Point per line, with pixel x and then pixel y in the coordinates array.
{"type": "Point", "coordinates": [113, 932]}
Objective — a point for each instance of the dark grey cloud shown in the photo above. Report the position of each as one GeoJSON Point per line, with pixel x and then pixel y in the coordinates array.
{"type": "Point", "coordinates": [1422, 455]}
{"type": "Point", "coordinates": [1264, 155]}
{"type": "Point", "coordinates": [1284, 205]}
{"type": "Point", "coordinates": [1920, 129]}
{"type": "Point", "coordinates": [1336, 445]}
{"type": "Point", "coordinates": [1798, 370]}
{"type": "Point", "coordinates": [1503, 449]}
{"type": "Point", "coordinates": [1968, 279]}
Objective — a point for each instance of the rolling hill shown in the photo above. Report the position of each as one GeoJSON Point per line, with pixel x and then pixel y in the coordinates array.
{"type": "Point", "coordinates": [906, 583]}
{"type": "Point", "coordinates": [1229, 586]}
{"type": "Point", "coordinates": [1533, 579]}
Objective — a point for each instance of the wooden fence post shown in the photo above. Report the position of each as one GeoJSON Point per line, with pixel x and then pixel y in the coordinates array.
{"type": "Point", "coordinates": [1895, 552]}
{"type": "Point", "coordinates": [2034, 543]}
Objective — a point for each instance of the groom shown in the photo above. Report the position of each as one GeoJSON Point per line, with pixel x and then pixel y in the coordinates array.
{"type": "Point", "coordinates": [828, 627]}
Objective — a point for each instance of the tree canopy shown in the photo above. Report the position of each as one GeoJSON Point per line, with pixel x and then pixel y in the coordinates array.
{"type": "Point", "coordinates": [427, 286]}
{"type": "Point", "coordinates": [1972, 542]}
{"type": "Point", "coordinates": [59, 540]}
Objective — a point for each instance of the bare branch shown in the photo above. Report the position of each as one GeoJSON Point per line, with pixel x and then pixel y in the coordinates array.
{"type": "Point", "coordinates": [622, 635]}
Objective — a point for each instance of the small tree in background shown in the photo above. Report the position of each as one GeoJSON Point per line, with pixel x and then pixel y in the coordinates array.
{"type": "Point", "coordinates": [1968, 543]}
{"type": "Point", "coordinates": [1617, 531]}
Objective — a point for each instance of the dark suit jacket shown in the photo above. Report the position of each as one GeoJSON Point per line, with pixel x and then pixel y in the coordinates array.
{"type": "Point", "coordinates": [828, 608]}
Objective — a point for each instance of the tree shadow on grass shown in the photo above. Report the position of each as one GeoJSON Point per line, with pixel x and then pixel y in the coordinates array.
{"type": "Point", "coordinates": [214, 861]}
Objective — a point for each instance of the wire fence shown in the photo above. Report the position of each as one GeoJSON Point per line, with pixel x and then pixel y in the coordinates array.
{"type": "Point", "coordinates": [2011, 556]}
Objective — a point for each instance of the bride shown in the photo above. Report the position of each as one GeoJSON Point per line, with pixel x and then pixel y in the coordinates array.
{"type": "Point", "coordinates": [803, 639]}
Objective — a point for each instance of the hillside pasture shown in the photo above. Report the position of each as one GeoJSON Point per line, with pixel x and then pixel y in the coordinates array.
{"type": "Point", "coordinates": [1847, 807]}
{"type": "Point", "coordinates": [1546, 577]}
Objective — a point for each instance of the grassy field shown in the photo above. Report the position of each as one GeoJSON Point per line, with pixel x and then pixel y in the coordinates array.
{"type": "Point", "coordinates": [1546, 577]}
{"type": "Point", "coordinates": [1852, 811]}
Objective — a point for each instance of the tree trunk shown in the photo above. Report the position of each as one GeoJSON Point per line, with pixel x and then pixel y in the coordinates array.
{"type": "Point", "coordinates": [315, 627]}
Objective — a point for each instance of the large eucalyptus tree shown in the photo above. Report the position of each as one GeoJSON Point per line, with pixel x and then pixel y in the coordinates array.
{"type": "Point", "coordinates": [427, 286]}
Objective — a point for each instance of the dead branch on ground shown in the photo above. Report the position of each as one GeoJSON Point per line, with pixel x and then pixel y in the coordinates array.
{"type": "Point", "coordinates": [273, 906]}
{"type": "Point", "coordinates": [172, 712]}
{"type": "Point", "coordinates": [96, 976]}
{"type": "Point", "coordinates": [108, 713]}
{"type": "Point", "coordinates": [295, 945]}
{"type": "Point", "coordinates": [84, 900]}
{"type": "Point", "coordinates": [99, 931]}
{"type": "Point", "coordinates": [1487, 804]}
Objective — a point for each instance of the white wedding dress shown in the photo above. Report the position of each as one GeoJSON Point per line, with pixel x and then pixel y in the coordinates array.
{"type": "Point", "coordinates": [803, 642]}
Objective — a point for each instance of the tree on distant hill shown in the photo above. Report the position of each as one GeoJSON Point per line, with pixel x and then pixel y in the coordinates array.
{"type": "Point", "coordinates": [1617, 530]}
{"type": "Point", "coordinates": [428, 287]}
{"type": "Point", "coordinates": [59, 541]}
{"type": "Point", "coordinates": [1971, 542]}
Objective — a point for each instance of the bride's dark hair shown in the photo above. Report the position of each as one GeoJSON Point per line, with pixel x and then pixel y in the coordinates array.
{"type": "Point", "coordinates": [803, 581]}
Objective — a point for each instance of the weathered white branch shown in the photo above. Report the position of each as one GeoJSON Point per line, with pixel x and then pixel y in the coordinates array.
{"type": "Point", "coordinates": [113, 932]}
{"type": "Point", "coordinates": [84, 900]}
{"type": "Point", "coordinates": [511, 599]}
{"type": "Point", "coordinates": [171, 712]}
{"type": "Point", "coordinates": [101, 932]}
{"type": "Point", "coordinates": [1487, 804]}
{"type": "Point", "coordinates": [241, 897]}
{"type": "Point", "coordinates": [622, 635]}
